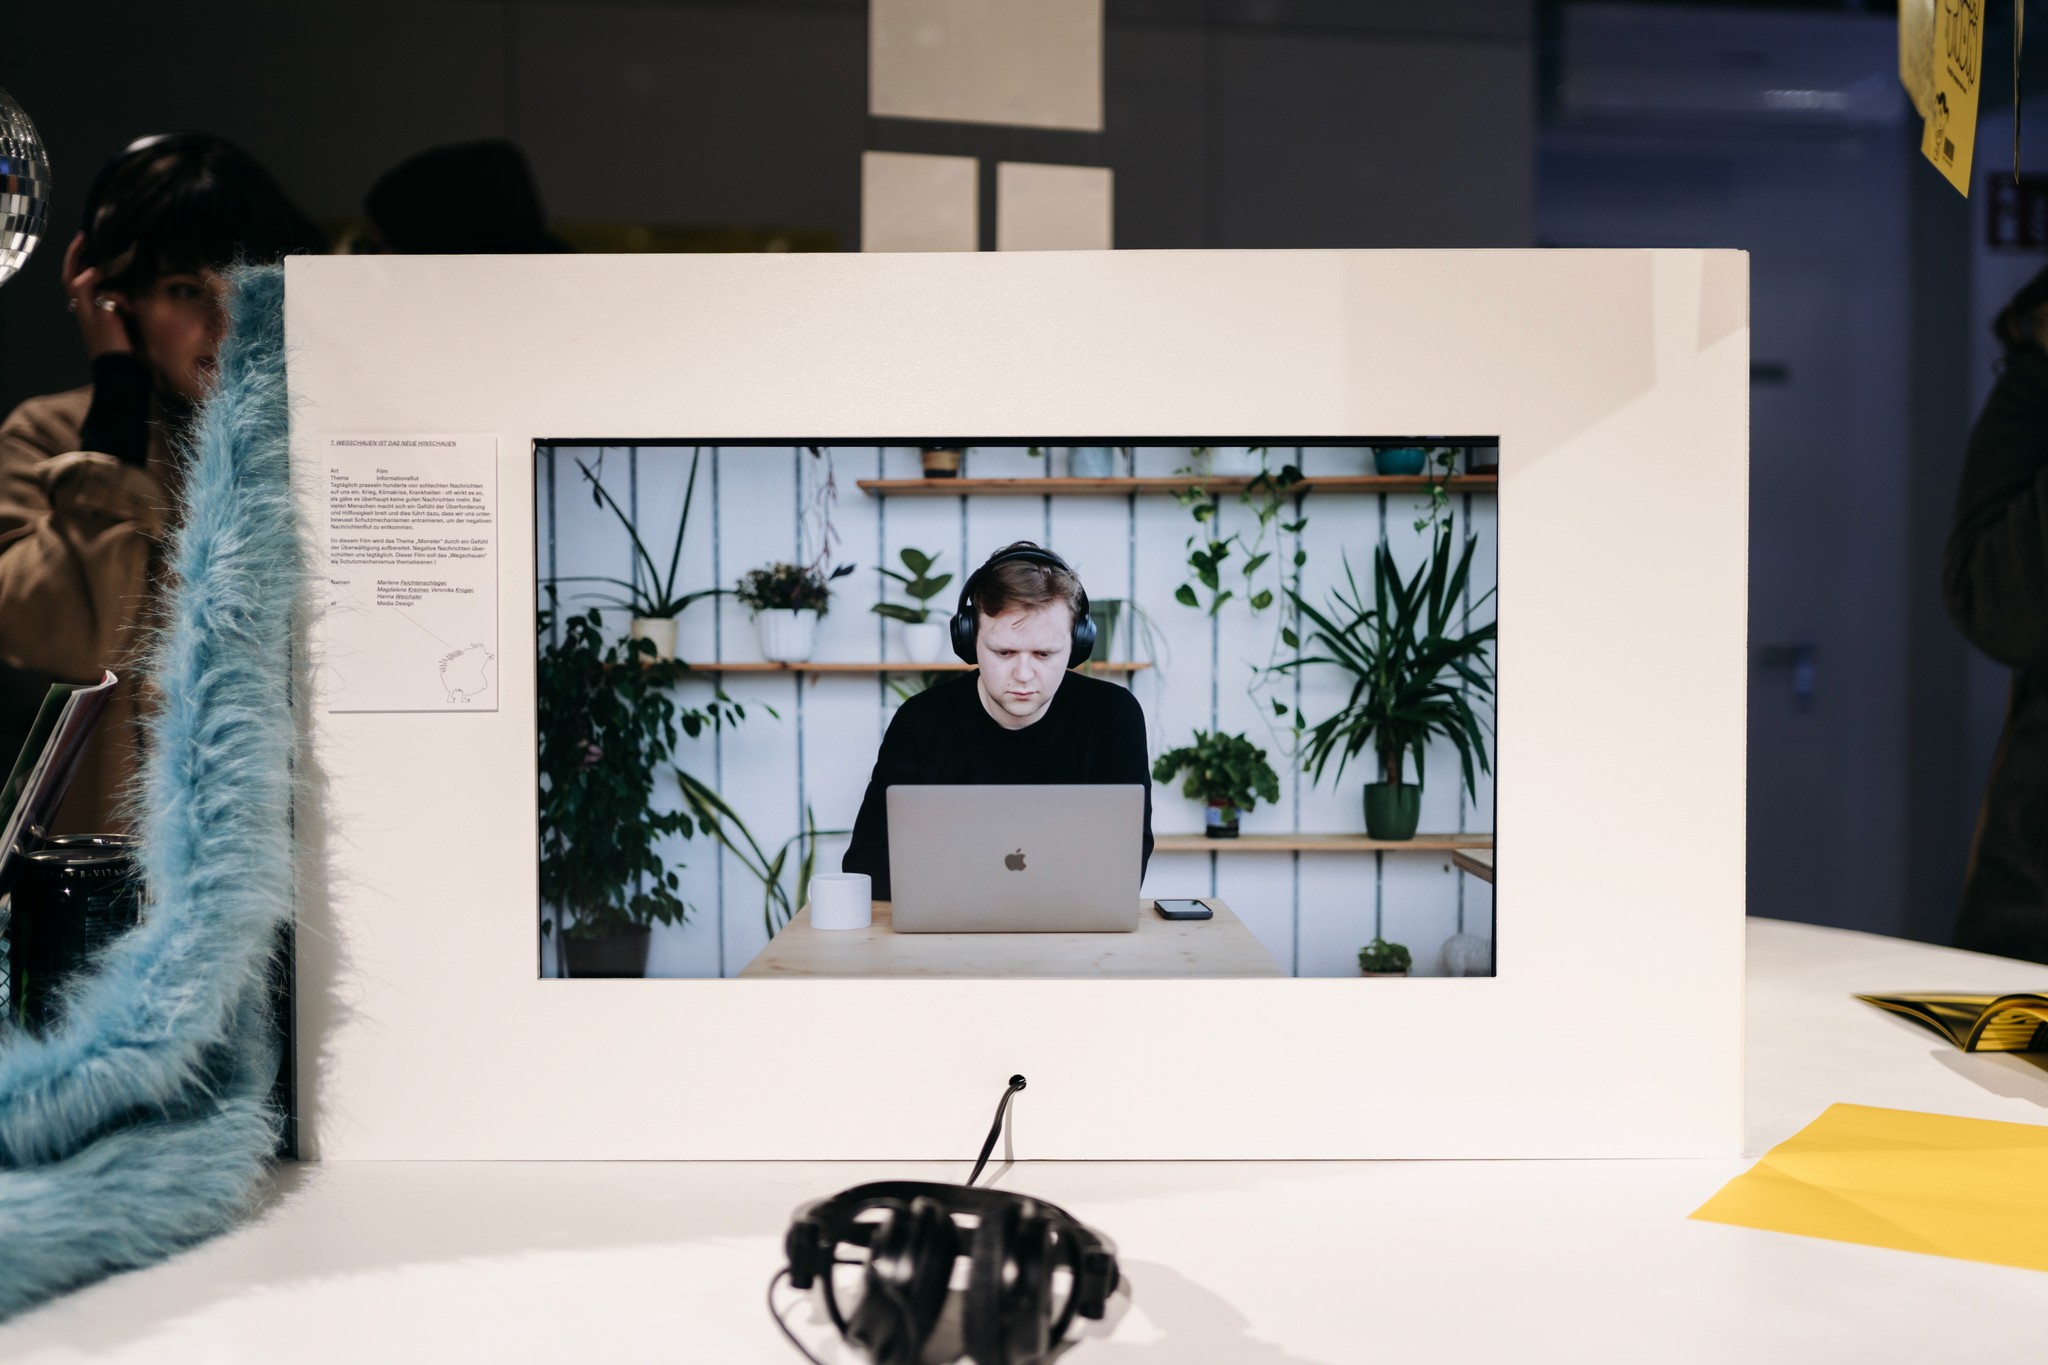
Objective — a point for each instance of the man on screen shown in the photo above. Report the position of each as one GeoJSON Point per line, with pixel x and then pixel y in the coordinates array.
{"type": "Point", "coordinates": [1020, 718]}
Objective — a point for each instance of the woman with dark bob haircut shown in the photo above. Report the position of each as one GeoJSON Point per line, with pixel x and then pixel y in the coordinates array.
{"type": "Point", "coordinates": [89, 480]}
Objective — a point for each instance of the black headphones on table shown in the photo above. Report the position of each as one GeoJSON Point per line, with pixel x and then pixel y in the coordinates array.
{"type": "Point", "coordinates": [1010, 1314]}
{"type": "Point", "coordinates": [1013, 1310]}
{"type": "Point", "coordinates": [966, 617]}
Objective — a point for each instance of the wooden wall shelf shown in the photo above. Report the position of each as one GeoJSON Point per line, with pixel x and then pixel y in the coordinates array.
{"type": "Point", "coordinates": [1035, 487]}
{"type": "Point", "coordinates": [1477, 861]}
{"type": "Point", "coordinates": [1318, 843]}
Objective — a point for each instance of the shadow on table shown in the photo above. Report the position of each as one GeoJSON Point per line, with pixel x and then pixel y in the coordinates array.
{"type": "Point", "coordinates": [1194, 1324]}
{"type": "Point", "coordinates": [2014, 1075]}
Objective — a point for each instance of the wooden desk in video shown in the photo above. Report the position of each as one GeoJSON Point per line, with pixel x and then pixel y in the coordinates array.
{"type": "Point", "coordinates": [1217, 947]}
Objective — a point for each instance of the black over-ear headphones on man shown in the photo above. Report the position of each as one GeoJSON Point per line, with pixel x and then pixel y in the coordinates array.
{"type": "Point", "coordinates": [1011, 1315]}
{"type": "Point", "coordinates": [966, 618]}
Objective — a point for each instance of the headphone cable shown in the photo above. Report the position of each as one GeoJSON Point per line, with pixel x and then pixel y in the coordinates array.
{"type": "Point", "coordinates": [776, 1313]}
{"type": "Point", "coordinates": [996, 1128]}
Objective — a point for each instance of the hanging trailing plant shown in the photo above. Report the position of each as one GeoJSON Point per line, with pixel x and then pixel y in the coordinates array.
{"type": "Point", "coordinates": [1440, 461]}
{"type": "Point", "coordinates": [1265, 495]}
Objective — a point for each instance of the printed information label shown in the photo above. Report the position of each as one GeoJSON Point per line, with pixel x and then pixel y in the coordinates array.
{"type": "Point", "coordinates": [411, 587]}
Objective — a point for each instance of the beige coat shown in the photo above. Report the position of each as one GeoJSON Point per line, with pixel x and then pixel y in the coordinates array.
{"type": "Point", "coordinates": [81, 546]}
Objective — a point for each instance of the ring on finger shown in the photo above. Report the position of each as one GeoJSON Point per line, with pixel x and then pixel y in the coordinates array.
{"type": "Point", "coordinates": [106, 303]}
{"type": "Point", "coordinates": [71, 305]}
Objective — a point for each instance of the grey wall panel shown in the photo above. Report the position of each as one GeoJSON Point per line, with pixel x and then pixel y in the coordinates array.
{"type": "Point", "coordinates": [687, 114]}
{"type": "Point", "coordinates": [1157, 132]}
{"type": "Point", "coordinates": [1334, 140]}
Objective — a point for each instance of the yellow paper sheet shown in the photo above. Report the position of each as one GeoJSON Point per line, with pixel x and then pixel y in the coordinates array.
{"type": "Point", "coordinates": [1949, 136]}
{"type": "Point", "coordinates": [1968, 1188]}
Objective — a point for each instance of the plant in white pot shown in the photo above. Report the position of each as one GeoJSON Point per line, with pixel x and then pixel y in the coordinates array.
{"type": "Point", "coordinates": [1094, 462]}
{"type": "Point", "coordinates": [1227, 461]}
{"type": "Point", "coordinates": [924, 640]}
{"type": "Point", "coordinates": [1413, 660]}
{"type": "Point", "coordinates": [787, 600]}
{"type": "Point", "coordinates": [654, 603]}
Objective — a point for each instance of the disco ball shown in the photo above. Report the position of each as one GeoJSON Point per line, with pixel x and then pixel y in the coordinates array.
{"type": "Point", "coordinates": [24, 187]}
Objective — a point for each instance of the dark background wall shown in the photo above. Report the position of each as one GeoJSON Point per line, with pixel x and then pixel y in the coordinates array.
{"type": "Point", "coordinates": [1270, 123]}
{"type": "Point", "coordinates": [1261, 123]}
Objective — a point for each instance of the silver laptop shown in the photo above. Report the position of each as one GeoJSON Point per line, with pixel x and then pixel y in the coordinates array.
{"type": "Point", "coordinates": [978, 860]}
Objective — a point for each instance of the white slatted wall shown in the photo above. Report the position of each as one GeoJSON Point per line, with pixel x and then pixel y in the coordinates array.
{"type": "Point", "coordinates": [1312, 911]}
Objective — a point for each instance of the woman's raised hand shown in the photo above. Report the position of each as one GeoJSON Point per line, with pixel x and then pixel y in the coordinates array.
{"type": "Point", "coordinates": [102, 313]}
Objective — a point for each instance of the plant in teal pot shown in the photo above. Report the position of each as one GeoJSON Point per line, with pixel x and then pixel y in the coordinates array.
{"type": "Point", "coordinates": [1398, 459]}
{"type": "Point", "coordinates": [1416, 662]}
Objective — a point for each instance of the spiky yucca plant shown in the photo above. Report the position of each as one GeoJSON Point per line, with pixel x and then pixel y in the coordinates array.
{"type": "Point", "coordinates": [1412, 662]}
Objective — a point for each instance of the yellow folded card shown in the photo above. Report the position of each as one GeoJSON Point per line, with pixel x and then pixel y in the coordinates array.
{"type": "Point", "coordinates": [1968, 1188]}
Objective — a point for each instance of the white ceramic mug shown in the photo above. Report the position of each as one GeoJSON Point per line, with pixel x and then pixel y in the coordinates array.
{"type": "Point", "coordinates": [842, 900]}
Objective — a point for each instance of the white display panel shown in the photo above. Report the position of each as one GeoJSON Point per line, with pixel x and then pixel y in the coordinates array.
{"type": "Point", "coordinates": [1617, 382]}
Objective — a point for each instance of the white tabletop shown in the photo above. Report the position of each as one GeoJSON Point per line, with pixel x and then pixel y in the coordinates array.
{"type": "Point", "coordinates": [1272, 1264]}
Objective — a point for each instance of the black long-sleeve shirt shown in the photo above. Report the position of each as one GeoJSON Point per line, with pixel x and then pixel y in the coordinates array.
{"type": "Point", "coordinates": [1995, 583]}
{"type": "Point", "coordinates": [1092, 731]}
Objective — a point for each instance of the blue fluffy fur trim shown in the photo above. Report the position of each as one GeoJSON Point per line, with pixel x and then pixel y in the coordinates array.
{"type": "Point", "coordinates": [142, 1125]}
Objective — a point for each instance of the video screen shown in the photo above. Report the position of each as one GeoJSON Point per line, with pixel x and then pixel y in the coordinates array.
{"type": "Point", "coordinates": [1116, 710]}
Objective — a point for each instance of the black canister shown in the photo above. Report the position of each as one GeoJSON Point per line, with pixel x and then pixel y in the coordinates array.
{"type": "Point", "coordinates": [68, 903]}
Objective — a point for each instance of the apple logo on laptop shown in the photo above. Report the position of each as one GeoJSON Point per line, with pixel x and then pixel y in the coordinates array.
{"type": "Point", "coordinates": [1014, 861]}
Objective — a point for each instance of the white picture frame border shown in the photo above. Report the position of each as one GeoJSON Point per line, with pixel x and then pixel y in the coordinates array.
{"type": "Point", "coordinates": [1618, 384]}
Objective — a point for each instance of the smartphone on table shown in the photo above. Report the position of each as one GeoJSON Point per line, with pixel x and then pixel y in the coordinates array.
{"type": "Point", "coordinates": [1181, 909]}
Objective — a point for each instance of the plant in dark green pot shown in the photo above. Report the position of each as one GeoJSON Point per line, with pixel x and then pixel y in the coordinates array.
{"type": "Point", "coordinates": [1381, 958]}
{"type": "Point", "coordinates": [1228, 772]}
{"type": "Point", "coordinates": [607, 723]}
{"type": "Point", "coordinates": [1413, 662]}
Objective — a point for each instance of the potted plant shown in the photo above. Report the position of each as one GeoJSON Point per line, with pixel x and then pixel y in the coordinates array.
{"type": "Point", "coordinates": [656, 604]}
{"type": "Point", "coordinates": [1093, 462]}
{"type": "Point", "coordinates": [924, 640]}
{"type": "Point", "coordinates": [787, 600]}
{"type": "Point", "coordinates": [1105, 612]}
{"type": "Point", "coordinates": [942, 462]}
{"type": "Point", "coordinates": [1381, 958]}
{"type": "Point", "coordinates": [1412, 661]}
{"type": "Point", "coordinates": [607, 721]}
{"type": "Point", "coordinates": [1398, 460]}
{"type": "Point", "coordinates": [1228, 772]}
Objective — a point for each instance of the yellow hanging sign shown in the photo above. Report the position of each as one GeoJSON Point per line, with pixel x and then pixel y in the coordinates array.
{"type": "Point", "coordinates": [1950, 134]}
